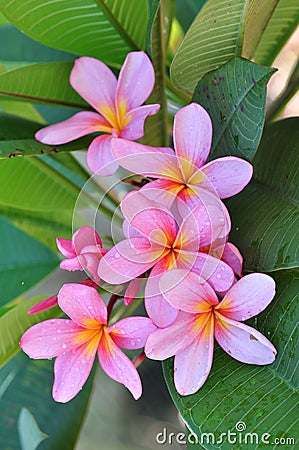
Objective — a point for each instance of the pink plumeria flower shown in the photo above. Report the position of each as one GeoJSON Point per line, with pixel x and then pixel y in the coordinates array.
{"type": "Point", "coordinates": [182, 173]}
{"type": "Point", "coordinates": [191, 336]}
{"type": "Point", "coordinates": [160, 243]}
{"type": "Point", "coordinates": [83, 251]}
{"type": "Point", "coordinates": [75, 341]}
{"type": "Point", "coordinates": [118, 105]}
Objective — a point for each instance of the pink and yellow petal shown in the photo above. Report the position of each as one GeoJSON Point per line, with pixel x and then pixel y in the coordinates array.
{"type": "Point", "coordinates": [186, 291]}
{"type": "Point", "coordinates": [135, 82]}
{"type": "Point", "coordinates": [127, 260]}
{"type": "Point", "coordinates": [71, 371]}
{"type": "Point", "coordinates": [79, 125]}
{"type": "Point", "coordinates": [193, 364]}
{"type": "Point", "coordinates": [132, 291]}
{"type": "Point", "coordinates": [132, 332]}
{"type": "Point", "coordinates": [192, 134]}
{"type": "Point", "coordinates": [233, 258]}
{"type": "Point", "coordinates": [166, 342]}
{"type": "Point", "coordinates": [118, 366]}
{"type": "Point", "coordinates": [83, 304]}
{"type": "Point", "coordinates": [96, 83]}
{"type": "Point", "coordinates": [50, 338]}
{"type": "Point", "coordinates": [148, 161]}
{"type": "Point", "coordinates": [248, 297]}
{"type": "Point", "coordinates": [132, 126]}
{"type": "Point", "coordinates": [243, 342]}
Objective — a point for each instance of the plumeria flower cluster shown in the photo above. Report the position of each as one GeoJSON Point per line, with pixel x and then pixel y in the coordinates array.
{"type": "Point", "coordinates": [175, 252]}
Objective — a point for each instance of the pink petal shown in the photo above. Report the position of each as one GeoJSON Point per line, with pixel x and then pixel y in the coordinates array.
{"type": "Point", "coordinates": [229, 175]}
{"type": "Point", "coordinates": [129, 231]}
{"type": "Point", "coordinates": [166, 342]}
{"type": "Point", "coordinates": [127, 260]}
{"type": "Point", "coordinates": [92, 265]}
{"type": "Point", "coordinates": [83, 304]}
{"type": "Point", "coordinates": [65, 246]}
{"type": "Point", "coordinates": [85, 236]}
{"type": "Point", "coordinates": [99, 156]}
{"type": "Point", "coordinates": [162, 191]}
{"type": "Point", "coordinates": [248, 297]}
{"type": "Point", "coordinates": [186, 291]}
{"type": "Point", "coordinates": [72, 264]}
{"type": "Point", "coordinates": [96, 83]}
{"type": "Point", "coordinates": [243, 342]}
{"type": "Point", "coordinates": [44, 305]}
{"type": "Point", "coordinates": [192, 134]}
{"type": "Point", "coordinates": [132, 291]}
{"type": "Point", "coordinates": [131, 333]}
{"type": "Point", "coordinates": [217, 273]}
{"type": "Point", "coordinates": [203, 225]}
{"type": "Point", "coordinates": [158, 309]}
{"type": "Point", "coordinates": [71, 370]}
{"type": "Point", "coordinates": [148, 161]}
{"type": "Point", "coordinates": [73, 128]}
{"type": "Point", "coordinates": [50, 338]}
{"type": "Point", "coordinates": [193, 364]}
{"type": "Point", "coordinates": [135, 127]}
{"type": "Point", "coordinates": [149, 218]}
{"type": "Point", "coordinates": [233, 258]}
{"type": "Point", "coordinates": [136, 80]}
{"type": "Point", "coordinates": [118, 366]}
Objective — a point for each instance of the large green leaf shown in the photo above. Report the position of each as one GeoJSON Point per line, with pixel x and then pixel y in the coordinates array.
{"type": "Point", "coordinates": [258, 15]}
{"type": "Point", "coordinates": [23, 261]}
{"type": "Point", "coordinates": [262, 398]}
{"type": "Point", "coordinates": [156, 132]}
{"type": "Point", "coordinates": [234, 96]}
{"type": "Point", "coordinates": [42, 83]}
{"type": "Point", "coordinates": [187, 10]}
{"type": "Point", "coordinates": [98, 28]}
{"type": "Point", "coordinates": [17, 139]}
{"type": "Point", "coordinates": [15, 322]}
{"type": "Point", "coordinates": [214, 37]}
{"type": "Point", "coordinates": [280, 27]}
{"type": "Point", "coordinates": [32, 184]}
{"type": "Point", "coordinates": [265, 215]}
{"type": "Point", "coordinates": [43, 226]}
{"type": "Point", "coordinates": [26, 383]}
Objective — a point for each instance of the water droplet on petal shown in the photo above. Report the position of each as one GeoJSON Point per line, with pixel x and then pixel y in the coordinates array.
{"type": "Point", "coordinates": [63, 346]}
{"type": "Point", "coordinates": [218, 276]}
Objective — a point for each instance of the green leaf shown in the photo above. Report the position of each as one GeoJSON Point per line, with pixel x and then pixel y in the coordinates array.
{"type": "Point", "coordinates": [265, 215]}
{"type": "Point", "coordinates": [19, 47]}
{"type": "Point", "coordinates": [234, 97]}
{"type": "Point", "coordinates": [26, 383]}
{"type": "Point", "coordinates": [280, 27]}
{"type": "Point", "coordinates": [215, 36]}
{"type": "Point", "coordinates": [45, 226]}
{"type": "Point", "coordinates": [187, 10]}
{"type": "Point", "coordinates": [87, 27]}
{"type": "Point", "coordinates": [31, 184]}
{"type": "Point", "coordinates": [129, 17]}
{"type": "Point", "coordinates": [257, 17]}
{"type": "Point", "coordinates": [156, 130]}
{"type": "Point", "coordinates": [263, 398]}
{"type": "Point", "coordinates": [30, 434]}
{"type": "Point", "coordinates": [23, 261]}
{"type": "Point", "coordinates": [42, 83]}
{"type": "Point", "coordinates": [14, 324]}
